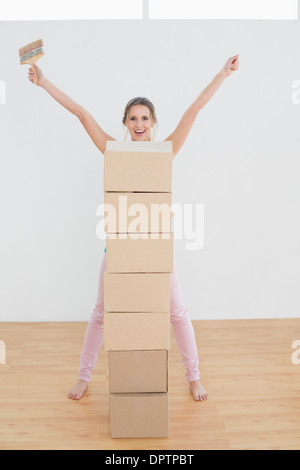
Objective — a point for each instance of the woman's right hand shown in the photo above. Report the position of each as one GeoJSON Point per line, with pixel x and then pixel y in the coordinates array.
{"type": "Point", "coordinates": [36, 72]}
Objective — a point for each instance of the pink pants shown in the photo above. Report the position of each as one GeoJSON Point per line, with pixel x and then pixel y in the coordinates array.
{"type": "Point", "coordinates": [182, 325]}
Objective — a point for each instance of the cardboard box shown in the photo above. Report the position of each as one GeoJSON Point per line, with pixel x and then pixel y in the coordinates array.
{"type": "Point", "coordinates": [137, 292]}
{"type": "Point", "coordinates": [136, 331]}
{"type": "Point", "coordinates": [143, 255]}
{"type": "Point", "coordinates": [137, 415]}
{"type": "Point", "coordinates": [138, 371]}
{"type": "Point", "coordinates": [138, 166]}
{"type": "Point", "coordinates": [138, 212]}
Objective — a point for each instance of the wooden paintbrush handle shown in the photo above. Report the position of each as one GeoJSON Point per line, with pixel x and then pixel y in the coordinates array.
{"type": "Point", "coordinates": [32, 61]}
{"type": "Point", "coordinates": [36, 79]}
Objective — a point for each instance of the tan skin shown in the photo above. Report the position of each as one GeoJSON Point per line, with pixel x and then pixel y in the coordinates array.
{"type": "Point", "coordinates": [139, 118]}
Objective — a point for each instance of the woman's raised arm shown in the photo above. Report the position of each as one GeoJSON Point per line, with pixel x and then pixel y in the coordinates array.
{"type": "Point", "coordinates": [98, 136]}
{"type": "Point", "coordinates": [181, 132]}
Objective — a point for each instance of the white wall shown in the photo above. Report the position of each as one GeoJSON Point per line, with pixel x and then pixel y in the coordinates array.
{"type": "Point", "coordinates": [241, 160]}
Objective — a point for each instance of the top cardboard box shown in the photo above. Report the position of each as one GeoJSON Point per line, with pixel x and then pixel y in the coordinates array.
{"type": "Point", "coordinates": [138, 166]}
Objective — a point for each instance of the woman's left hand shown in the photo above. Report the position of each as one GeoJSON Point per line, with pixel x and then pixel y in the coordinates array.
{"type": "Point", "coordinates": [231, 65]}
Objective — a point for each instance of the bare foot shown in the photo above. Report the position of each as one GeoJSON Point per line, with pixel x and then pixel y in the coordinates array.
{"type": "Point", "coordinates": [78, 390]}
{"type": "Point", "coordinates": [198, 391]}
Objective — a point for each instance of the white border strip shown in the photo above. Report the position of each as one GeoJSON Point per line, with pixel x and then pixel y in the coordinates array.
{"type": "Point", "coordinates": [146, 9]}
{"type": "Point", "coordinates": [35, 10]}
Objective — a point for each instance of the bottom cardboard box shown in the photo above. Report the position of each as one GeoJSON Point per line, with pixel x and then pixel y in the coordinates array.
{"type": "Point", "coordinates": [134, 415]}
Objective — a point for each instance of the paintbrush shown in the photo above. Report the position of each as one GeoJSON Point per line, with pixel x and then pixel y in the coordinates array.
{"type": "Point", "coordinates": [31, 53]}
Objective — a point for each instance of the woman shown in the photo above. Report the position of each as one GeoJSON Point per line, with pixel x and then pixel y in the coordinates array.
{"type": "Point", "coordinates": [139, 119]}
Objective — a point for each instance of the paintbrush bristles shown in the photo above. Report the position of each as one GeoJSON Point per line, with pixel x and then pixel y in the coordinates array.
{"type": "Point", "coordinates": [31, 46]}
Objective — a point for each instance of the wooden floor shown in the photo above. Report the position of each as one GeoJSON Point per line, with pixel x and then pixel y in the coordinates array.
{"type": "Point", "coordinates": [246, 367]}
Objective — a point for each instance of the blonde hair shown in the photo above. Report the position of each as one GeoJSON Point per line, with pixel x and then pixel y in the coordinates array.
{"type": "Point", "coordinates": [145, 102]}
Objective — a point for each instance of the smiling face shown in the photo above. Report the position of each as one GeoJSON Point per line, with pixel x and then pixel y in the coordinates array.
{"type": "Point", "coordinates": [139, 122]}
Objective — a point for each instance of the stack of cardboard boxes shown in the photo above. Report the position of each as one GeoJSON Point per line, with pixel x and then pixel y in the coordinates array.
{"type": "Point", "coordinates": [139, 260]}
